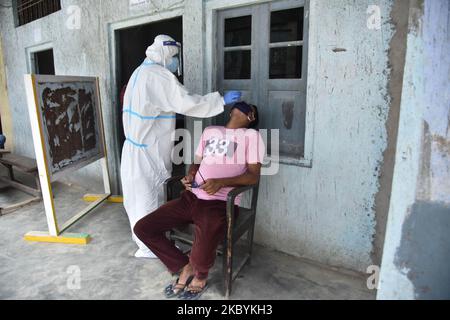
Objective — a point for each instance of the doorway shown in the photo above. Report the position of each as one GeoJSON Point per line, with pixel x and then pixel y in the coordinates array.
{"type": "Point", "coordinates": [131, 44]}
{"type": "Point", "coordinates": [43, 62]}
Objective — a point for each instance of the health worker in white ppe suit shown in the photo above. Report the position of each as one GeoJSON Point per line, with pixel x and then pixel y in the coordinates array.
{"type": "Point", "coordinates": [152, 98]}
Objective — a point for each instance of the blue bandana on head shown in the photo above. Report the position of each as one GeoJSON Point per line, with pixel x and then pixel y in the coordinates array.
{"type": "Point", "coordinates": [243, 107]}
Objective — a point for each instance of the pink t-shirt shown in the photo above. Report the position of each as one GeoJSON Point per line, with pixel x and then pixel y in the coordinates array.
{"type": "Point", "coordinates": [226, 154]}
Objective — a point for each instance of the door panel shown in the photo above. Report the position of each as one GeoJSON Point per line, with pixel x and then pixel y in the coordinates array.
{"type": "Point", "coordinates": [287, 113]}
{"type": "Point", "coordinates": [278, 66]}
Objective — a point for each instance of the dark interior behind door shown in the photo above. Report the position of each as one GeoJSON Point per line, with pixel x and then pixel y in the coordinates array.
{"type": "Point", "coordinates": [131, 46]}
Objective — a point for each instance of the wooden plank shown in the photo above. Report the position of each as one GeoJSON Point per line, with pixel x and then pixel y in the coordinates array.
{"type": "Point", "coordinates": [22, 163]}
{"type": "Point", "coordinates": [21, 187]}
{"type": "Point", "coordinates": [39, 148]}
{"type": "Point", "coordinates": [14, 207]}
{"type": "Point", "coordinates": [84, 212]}
{"type": "Point", "coordinates": [69, 238]}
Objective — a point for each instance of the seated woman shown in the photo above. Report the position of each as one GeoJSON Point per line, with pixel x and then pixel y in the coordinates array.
{"type": "Point", "coordinates": [227, 157]}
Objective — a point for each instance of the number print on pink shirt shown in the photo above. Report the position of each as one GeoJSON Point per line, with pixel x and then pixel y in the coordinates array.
{"type": "Point", "coordinates": [220, 147]}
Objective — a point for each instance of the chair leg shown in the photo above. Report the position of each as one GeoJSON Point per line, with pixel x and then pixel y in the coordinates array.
{"type": "Point", "coordinates": [250, 235]}
{"type": "Point", "coordinates": [228, 269]}
{"type": "Point", "coordinates": [10, 173]}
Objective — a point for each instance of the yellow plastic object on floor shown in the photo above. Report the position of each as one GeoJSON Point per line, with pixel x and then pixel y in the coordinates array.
{"type": "Point", "coordinates": [95, 197]}
{"type": "Point", "coordinates": [67, 238]}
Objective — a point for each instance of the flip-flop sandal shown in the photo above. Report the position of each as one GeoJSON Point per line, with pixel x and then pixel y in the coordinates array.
{"type": "Point", "coordinates": [193, 293]}
{"type": "Point", "coordinates": [175, 289]}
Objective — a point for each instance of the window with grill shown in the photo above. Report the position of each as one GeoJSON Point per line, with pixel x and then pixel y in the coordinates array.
{"type": "Point", "coordinates": [30, 10]}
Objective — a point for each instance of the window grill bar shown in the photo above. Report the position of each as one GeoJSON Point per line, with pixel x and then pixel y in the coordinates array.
{"type": "Point", "coordinates": [21, 4]}
{"type": "Point", "coordinates": [30, 10]}
{"type": "Point", "coordinates": [27, 5]}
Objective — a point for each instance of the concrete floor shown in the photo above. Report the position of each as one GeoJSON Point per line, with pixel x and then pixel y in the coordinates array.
{"type": "Point", "coordinates": [108, 270]}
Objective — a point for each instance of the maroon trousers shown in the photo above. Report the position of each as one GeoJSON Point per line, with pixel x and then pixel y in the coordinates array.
{"type": "Point", "coordinates": [209, 219]}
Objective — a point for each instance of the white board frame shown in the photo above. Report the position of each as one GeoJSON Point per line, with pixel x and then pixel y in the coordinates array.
{"type": "Point", "coordinates": [45, 176]}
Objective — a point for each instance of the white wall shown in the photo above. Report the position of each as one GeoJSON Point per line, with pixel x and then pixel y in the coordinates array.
{"type": "Point", "coordinates": [417, 246]}
{"type": "Point", "coordinates": [326, 212]}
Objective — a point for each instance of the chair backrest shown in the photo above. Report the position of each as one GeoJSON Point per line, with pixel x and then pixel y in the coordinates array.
{"type": "Point", "coordinates": [172, 188]}
{"type": "Point", "coordinates": [255, 193]}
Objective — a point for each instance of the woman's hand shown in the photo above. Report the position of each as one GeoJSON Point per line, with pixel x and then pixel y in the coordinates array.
{"type": "Point", "coordinates": [187, 182]}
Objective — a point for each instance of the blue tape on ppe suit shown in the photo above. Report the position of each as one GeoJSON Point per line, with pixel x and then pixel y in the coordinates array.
{"type": "Point", "coordinates": [136, 144]}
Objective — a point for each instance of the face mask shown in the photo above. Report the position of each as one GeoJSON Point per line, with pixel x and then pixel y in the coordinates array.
{"type": "Point", "coordinates": [173, 65]}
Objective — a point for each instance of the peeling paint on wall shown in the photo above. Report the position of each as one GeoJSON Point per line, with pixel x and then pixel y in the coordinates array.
{"type": "Point", "coordinates": [424, 251]}
{"type": "Point", "coordinates": [424, 188]}
{"type": "Point", "coordinates": [417, 246]}
{"type": "Point", "coordinates": [416, 15]}
{"type": "Point", "coordinates": [397, 56]}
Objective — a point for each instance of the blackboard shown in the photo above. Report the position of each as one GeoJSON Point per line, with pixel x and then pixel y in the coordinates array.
{"type": "Point", "coordinates": [69, 113]}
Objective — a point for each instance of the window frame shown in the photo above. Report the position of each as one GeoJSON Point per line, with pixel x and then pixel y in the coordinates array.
{"type": "Point", "coordinates": [286, 44]}
{"type": "Point", "coordinates": [243, 84]}
{"type": "Point", "coordinates": [213, 11]}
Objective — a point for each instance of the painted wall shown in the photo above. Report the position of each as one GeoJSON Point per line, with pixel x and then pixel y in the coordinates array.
{"type": "Point", "coordinates": [325, 213]}
{"type": "Point", "coordinates": [417, 246]}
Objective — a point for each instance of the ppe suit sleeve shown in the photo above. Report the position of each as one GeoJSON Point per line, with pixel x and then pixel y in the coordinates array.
{"type": "Point", "coordinates": [174, 97]}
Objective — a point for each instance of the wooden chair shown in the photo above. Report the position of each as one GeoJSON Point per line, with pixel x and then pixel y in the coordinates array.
{"type": "Point", "coordinates": [236, 228]}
